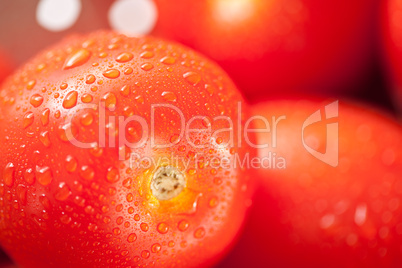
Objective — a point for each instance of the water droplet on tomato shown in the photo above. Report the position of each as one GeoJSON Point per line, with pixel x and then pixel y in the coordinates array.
{"type": "Point", "coordinates": [144, 227]}
{"type": "Point", "coordinates": [183, 225]}
{"type": "Point", "coordinates": [163, 228]}
{"type": "Point", "coordinates": [147, 54]}
{"type": "Point", "coordinates": [90, 79]}
{"type": "Point", "coordinates": [70, 100]}
{"type": "Point", "coordinates": [67, 132]}
{"type": "Point", "coordinates": [44, 175]}
{"type": "Point", "coordinates": [168, 60]}
{"type": "Point", "coordinates": [45, 117]}
{"type": "Point", "coordinates": [199, 233]}
{"type": "Point", "coordinates": [110, 100]}
{"type": "Point", "coordinates": [112, 174]}
{"type": "Point", "coordinates": [71, 164]}
{"type": "Point", "coordinates": [169, 96]}
{"type": "Point", "coordinates": [28, 119]}
{"type": "Point", "coordinates": [86, 98]}
{"type": "Point", "coordinates": [8, 174]}
{"type": "Point", "coordinates": [145, 254]}
{"type": "Point", "coordinates": [87, 172]}
{"type": "Point", "coordinates": [31, 84]}
{"type": "Point", "coordinates": [63, 192]}
{"type": "Point", "coordinates": [87, 119]}
{"type": "Point", "coordinates": [125, 90]}
{"type": "Point", "coordinates": [36, 100]}
{"type": "Point", "coordinates": [192, 78]}
{"type": "Point", "coordinates": [77, 58]}
{"type": "Point", "coordinates": [147, 66]}
{"type": "Point", "coordinates": [44, 138]}
{"type": "Point", "coordinates": [29, 176]}
{"type": "Point", "coordinates": [111, 73]}
{"type": "Point", "coordinates": [124, 57]}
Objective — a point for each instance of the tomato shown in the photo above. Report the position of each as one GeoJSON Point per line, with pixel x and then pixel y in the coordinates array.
{"type": "Point", "coordinates": [393, 45]}
{"type": "Point", "coordinates": [6, 65]}
{"type": "Point", "coordinates": [277, 47]}
{"type": "Point", "coordinates": [112, 155]}
{"type": "Point", "coordinates": [308, 213]}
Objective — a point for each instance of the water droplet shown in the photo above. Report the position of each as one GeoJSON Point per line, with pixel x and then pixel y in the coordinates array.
{"type": "Point", "coordinates": [144, 227]}
{"type": "Point", "coordinates": [145, 254]}
{"type": "Point", "coordinates": [147, 66]}
{"type": "Point", "coordinates": [96, 151]}
{"type": "Point", "coordinates": [86, 98]}
{"type": "Point", "coordinates": [36, 100]}
{"type": "Point", "coordinates": [65, 219]}
{"type": "Point", "coordinates": [90, 79]}
{"type": "Point", "coordinates": [163, 228]}
{"type": "Point", "coordinates": [116, 231]}
{"type": "Point", "coordinates": [87, 119]}
{"type": "Point", "coordinates": [29, 176]}
{"type": "Point", "coordinates": [110, 100]}
{"type": "Point", "coordinates": [213, 202]}
{"type": "Point", "coordinates": [44, 175]}
{"type": "Point", "coordinates": [71, 164]}
{"type": "Point", "coordinates": [70, 100]}
{"type": "Point", "coordinates": [137, 217]}
{"type": "Point", "coordinates": [128, 70]}
{"type": "Point", "coordinates": [111, 73]}
{"type": "Point", "coordinates": [156, 248]}
{"type": "Point", "coordinates": [87, 172]}
{"type": "Point", "coordinates": [67, 132]}
{"type": "Point", "coordinates": [130, 197]}
{"type": "Point", "coordinates": [44, 138]}
{"type": "Point", "coordinates": [183, 225]}
{"type": "Point", "coordinates": [31, 84]}
{"type": "Point", "coordinates": [112, 174]}
{"type": "Point", "coordinates": [192, 78]}
{"type": "Point", "coordinates": [169, 96]}
{"type": "Point", "coordinates": [63, 192]}
{"type": "Point", "coordinates": [168, 60]}
{"type": "Point", "coordinates": [199, 233]}
{"type": "Point", "coordinates": [124, 57]}
{"type": "Point", "coordinates": [147, 54]}
{"type": "Point", "coordinates": [8, 174]}
{"type": "Point", "coordinates": [125, 90]}
{"type": "Point", "coordinates": [63, 86]}
{"type": "Point", "coordinates": [45, 117]}
{"type": "Point", "coordinates": [77, 58]}
{"type": "Point", "coordinates": [28, 119]}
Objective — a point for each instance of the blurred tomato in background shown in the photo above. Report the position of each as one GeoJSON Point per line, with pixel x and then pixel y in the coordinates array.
{"type": "Point", "coordinates": [392, 33]}
{"type": "Point", "coordinates": [278, 47]}
{"type": "Point", "coordinates": [330, 191]}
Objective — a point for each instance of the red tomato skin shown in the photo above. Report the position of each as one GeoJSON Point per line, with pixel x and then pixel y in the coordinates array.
{"type": "Point", "coordinates": [275, 47]}
{"type": "Point", "coordinates": [306, 215]}
{"type": "Point", "coordinates": [392, 45]}
{"type": "Point", "coordinates": [66, 206]}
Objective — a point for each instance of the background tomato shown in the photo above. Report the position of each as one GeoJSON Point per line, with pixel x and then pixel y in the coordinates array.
{"type": "Point", "coordinates": [392, 15]}
{"type": "Point", "coordinates": [65, 205]}
{"type": "Point", "coordinates": [314, 215]}
{"type": "Point", "coordinates": [278, 47]}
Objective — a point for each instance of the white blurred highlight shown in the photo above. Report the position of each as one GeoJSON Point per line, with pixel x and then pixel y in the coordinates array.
{"type": "Point", "coordinates": [57, 15]}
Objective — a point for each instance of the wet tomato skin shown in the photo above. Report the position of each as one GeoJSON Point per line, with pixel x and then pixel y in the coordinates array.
{"type": "Point", "coordinates": [64, 205]}
{"type": "Point", "coordinates": [311, 214]}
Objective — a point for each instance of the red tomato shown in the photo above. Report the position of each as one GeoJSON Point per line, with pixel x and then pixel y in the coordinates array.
{"type": "Point", "coordinates": [311, 214]}
{"type": "Point", "coordinates": [111, 150]}
{"type": "Point", "coordinates": [393, 43]}
{"type": "Point", "coordinates": [277, 47]}
{"type": "Point", "coordinates": [6, 65]}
